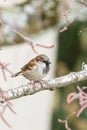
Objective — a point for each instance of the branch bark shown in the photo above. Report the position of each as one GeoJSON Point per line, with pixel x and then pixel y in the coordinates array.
{"type": "Point", "coordinates": [52, 84]}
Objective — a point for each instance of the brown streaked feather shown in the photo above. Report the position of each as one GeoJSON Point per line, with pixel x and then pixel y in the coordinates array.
{"type": "Point", "coordinates": [29, 65]}
{"type": "Point", "coordinates": [39, 58]}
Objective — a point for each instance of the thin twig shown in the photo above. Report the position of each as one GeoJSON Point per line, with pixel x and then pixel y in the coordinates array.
{"type": "Point", "coordinates": [4, 67]}
{"type": "Point", "coordinates": [83, 2]}
{"type": "Point", "coordinates": [28, 40]}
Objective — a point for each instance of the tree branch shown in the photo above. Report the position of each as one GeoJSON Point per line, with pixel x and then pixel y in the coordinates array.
{"type": "Point", "coordinates": [29, 89]}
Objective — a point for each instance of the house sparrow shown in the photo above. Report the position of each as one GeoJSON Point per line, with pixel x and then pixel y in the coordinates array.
{"type": "Point", "coordinates": [36, 69]}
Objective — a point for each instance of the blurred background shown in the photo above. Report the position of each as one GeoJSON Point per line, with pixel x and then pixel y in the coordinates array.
{"type": "Point", "coordinates": [41, 21]}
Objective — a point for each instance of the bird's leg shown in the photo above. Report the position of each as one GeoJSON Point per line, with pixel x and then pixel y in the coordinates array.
{"type": "Point", "coordinates": [32, 84]}
{"type": "Point", "coordinates": [40, 82]}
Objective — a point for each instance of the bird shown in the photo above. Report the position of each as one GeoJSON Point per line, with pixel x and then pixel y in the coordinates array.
{"type": "Point", "coordinates": [36, 69]}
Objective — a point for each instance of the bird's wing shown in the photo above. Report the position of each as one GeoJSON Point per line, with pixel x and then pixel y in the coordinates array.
{"type": "Point", "coordinates": [28, 66]}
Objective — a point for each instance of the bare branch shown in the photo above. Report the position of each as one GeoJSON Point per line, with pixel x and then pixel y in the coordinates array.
{"type": "Point", "coordinates": [75, 17]}
{"type": "Point", "coordinates": [65, 122]}
{"type": "Point", "coordinates": [52, 84]}
{"type": "Point", "coordinates": [81, 96]}
{"type": "Point", "coordinates": [4, 67]}
{"type": "Point", "coordinates": [8, 105]}
{"type": "Point", "coordinates": [83, 2]}
{"type": "Point", "coordinates": [28, 40]}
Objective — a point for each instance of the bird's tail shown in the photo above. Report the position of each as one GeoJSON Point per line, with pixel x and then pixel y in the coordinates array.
{"type": "Point", "coordinates": [16, 74]}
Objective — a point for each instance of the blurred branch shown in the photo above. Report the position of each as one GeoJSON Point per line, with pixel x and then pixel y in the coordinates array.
{"type": "Point", "coordinates": [4, 67]}
{"type": "Point", "coordinates": [70, 22]}
{"type": "Point", "coordinates": [52, 84]}
{"type": "Point", "coordinates": [83, 2]}
{"type": "Point", "coordinates": [28, 40]}
{"type": "Point", "coordinates": [66, 15]}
